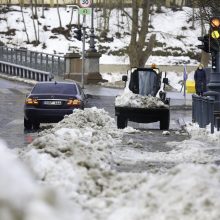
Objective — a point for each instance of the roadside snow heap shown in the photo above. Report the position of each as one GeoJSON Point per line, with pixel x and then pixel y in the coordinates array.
{"type": "Point", "coordinates": [129, 99]}
{"type": "Point", "coordinates": [73, 179]}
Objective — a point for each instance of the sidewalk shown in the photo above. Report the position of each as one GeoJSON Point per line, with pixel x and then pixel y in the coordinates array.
{"type": "Point", "coordinates": [178, 99]}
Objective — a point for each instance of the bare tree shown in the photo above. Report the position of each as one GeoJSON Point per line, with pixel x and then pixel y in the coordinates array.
{"type": "Point", "coordinates": [34, 25]}
{"type": "Point", "coordinates": [138, 51]}
{"type": "Point", "coordinates": [58, 12]}
{"type": "Point", "coordinates": [25, 27]}
{"type": "Point", "coordinates": [42, 15]}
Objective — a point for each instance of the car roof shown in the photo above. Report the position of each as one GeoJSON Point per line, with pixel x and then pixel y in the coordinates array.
{"type": "Point", "coordinates": [58, 82]}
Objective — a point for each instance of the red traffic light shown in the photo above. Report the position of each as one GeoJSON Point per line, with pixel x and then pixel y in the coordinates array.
{"type": "Point", "coordinates": [215, 22]}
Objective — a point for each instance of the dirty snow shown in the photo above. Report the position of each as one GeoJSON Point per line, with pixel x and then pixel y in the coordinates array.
{"type": "Point", "coordinates": [75, 158]}
{"type": "Point", "coordinates": [129, 99]}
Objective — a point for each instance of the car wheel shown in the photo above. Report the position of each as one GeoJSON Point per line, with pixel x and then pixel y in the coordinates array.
{"type": "Point", "coordinates": [27, 124]}
{"type": "Point", "coordinates": [36, 125]}
{"type": "Point", "coordinates": [122, 122]}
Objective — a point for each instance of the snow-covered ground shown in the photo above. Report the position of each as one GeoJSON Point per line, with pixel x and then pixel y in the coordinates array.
{"type": "Point", "coordinates": [177, 38]}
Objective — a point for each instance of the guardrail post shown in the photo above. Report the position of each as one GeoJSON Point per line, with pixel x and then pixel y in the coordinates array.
{"type": "Point", "coordinates": [41, 60]}
{"type": "Point", "coordinates": [58, 66]}
{"type": "Point", "coordinates": [46, 62]}
{"type": "Point", "coordinates": [12, 57]}
{"type": "Point", "coordinates": [52, 67]}
{"type": "Point", "coordinates": [1, 53]}
{"type": "Point", "coordinates": [35, 60]}
{"type": "Point", "coordinates": [30, 58]}
{"type": "Point", "coordinates": [16, 56]}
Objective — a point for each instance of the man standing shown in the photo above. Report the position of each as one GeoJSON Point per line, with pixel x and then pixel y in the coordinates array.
{"type": "Point", "coordinates": [200, 80]}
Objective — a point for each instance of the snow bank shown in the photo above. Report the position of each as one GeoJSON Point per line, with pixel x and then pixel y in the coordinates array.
{"type": "Point", "coordinates": [23, 199]}
{"type": "Point", "coordinates": [203, 134]}
{"type": "Point", "coordinates": [186, 192]}
{"type": "Point", "coordinates": [75, 157]}
{"type": "Point", "coordinates": [82, 141]}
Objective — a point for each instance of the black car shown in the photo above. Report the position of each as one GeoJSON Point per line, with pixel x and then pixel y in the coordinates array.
{"type": "Point", "coordinates": [49, 102]}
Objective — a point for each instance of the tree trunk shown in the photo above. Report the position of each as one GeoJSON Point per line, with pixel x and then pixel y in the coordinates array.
{"type": "Point", "coordinates": [193, 16]}
{"type": "Point", "coordinates": [25, 27]}
{"type": "Point", "coordinates": [137, 52]}
{"type": "Point", "coordinates": [42, 16]}
{"type": "Point", "coordinates": [58, 12]}
{"type": "Point", "coordinates": [35, 30]}
{"type": "Point", "coordinates": [71, 18]}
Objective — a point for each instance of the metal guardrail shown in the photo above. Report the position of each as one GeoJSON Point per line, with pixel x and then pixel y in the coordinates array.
{"type": "Point", "coordinates": [24, 72]}
{"type": "Point", "coordinates": [39, 61]}
{"type": "Point", "coordinates": [203, 112]}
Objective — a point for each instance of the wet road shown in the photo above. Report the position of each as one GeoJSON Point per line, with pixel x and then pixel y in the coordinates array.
{"type": "Point", "coordinates": [12, 95]}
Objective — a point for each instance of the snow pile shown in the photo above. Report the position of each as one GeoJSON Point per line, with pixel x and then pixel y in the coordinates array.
{"type": "Point", "coordinates": [76, 155]}
{"type": "Point", "coordinates": [22, 198]}
{"type": "Point", "coordinates": [78, 144]}
{"type": "Point", "coordinates": [203, 134]}
{"type": "Point", "coordinates": [187, 191]}
{"type": "Point", "coordinates": [129, 99]}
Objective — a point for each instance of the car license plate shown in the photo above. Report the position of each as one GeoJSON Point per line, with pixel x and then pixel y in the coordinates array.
{"type": "Point", "coordinates": [55, 102]}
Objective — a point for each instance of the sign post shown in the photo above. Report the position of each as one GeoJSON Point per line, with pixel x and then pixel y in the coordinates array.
{"type": "Point", "coordinates": [84, 10]}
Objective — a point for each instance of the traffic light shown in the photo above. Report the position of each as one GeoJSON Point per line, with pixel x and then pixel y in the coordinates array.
{"type": "Point", "coordinates": [78, 33]}
{"type": "Point", "coordinates": [205, 43]}
{"type": "Point", "coordinates": [214, 34]}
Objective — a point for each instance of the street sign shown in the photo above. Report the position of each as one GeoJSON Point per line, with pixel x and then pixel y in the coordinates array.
{"type": "Point", "coordinates": [85, 11]}
{"type": "Point", "coordinates": [85, 3]}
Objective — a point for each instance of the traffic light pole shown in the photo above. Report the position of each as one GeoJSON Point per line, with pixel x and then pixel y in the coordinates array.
{"type": "Point", "coordinates": [214, 84]}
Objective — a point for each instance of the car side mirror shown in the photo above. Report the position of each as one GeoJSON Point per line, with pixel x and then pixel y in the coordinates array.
{"type": "Point", "coordinates": [165, 81]}
{"type": "Point", "coordinates": [124, 78]}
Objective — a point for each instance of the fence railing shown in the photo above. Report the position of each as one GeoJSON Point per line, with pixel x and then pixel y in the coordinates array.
{"type": "Point", "coordinates": [203, 112]}
{"type": "Point", "coordinates": [24, 72]}
{"type": "Point", "coordinates": [53, 64]}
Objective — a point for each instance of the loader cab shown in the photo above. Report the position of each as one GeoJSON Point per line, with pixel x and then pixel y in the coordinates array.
{"type": "Point", "coordinates": [145, 81]}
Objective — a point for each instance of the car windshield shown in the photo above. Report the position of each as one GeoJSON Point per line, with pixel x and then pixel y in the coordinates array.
{"type": "Point", "coordinates": [54, 88]}
{"type": "Point", "coordinates": [148, 81]}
